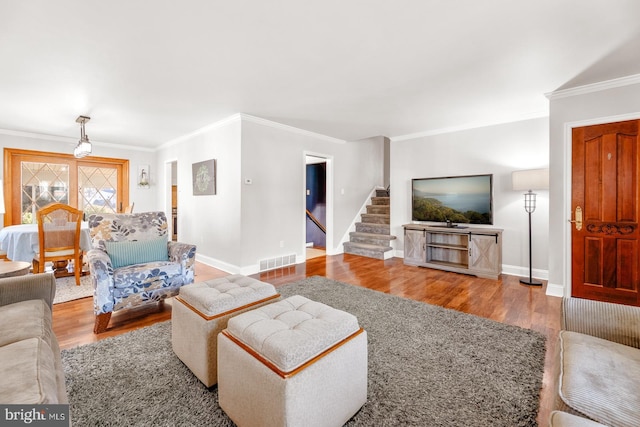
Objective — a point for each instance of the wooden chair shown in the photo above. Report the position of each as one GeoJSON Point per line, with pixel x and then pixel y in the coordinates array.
{"type": "Point", "coordinates": [129, 209]}
{"type": "Point", "coordinates": [59, 237]}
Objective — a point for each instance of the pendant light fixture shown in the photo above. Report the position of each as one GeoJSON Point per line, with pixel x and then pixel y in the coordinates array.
{"type": "Point", "coordinates": [83, 148]}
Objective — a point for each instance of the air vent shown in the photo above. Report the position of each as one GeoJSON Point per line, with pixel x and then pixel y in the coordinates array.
{"type": "Point", "coordinates": [277, 262]}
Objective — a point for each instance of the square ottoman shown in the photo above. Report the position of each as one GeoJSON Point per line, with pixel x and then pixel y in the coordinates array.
{"type": "Point", "coordinates": [201, 311]}
{"type": "Point", "coordinates": [295, 362]}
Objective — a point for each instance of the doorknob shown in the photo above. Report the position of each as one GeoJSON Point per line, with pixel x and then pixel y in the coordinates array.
{"type": "Point", "coordinates": [578, 220]}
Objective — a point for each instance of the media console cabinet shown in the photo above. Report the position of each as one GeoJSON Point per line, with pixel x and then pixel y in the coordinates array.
{"type": "Point", "coordinates": [476, 251]}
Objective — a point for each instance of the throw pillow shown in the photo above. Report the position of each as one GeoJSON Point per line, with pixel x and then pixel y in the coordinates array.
{"type": "Point", "coordinates": [137, 251]}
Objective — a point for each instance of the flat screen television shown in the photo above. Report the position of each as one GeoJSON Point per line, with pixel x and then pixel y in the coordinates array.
{"type": "Point", "coordinates": [454, 199]}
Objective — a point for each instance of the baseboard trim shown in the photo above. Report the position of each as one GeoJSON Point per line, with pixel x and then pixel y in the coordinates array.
{"type": "Point", "coordinates": [220, 265]}
{"type": "Point", "coordinates": [234, 269]}
{"type": "Point", "coordinates": [514, 270]}
{"type": "Point", "coordinates": [555, 290]}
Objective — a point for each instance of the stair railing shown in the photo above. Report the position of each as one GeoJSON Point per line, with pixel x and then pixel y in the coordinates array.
{"type": "Point", "coordinates": [316, 221]}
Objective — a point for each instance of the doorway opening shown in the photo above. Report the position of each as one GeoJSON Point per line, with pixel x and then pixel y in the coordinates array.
{"type": "Point", "coordinates": [316, 206]}
{"type": "Point", "coordinates": [171, 197]}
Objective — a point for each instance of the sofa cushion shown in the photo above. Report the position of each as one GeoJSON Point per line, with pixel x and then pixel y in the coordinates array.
{"type": "Point", "coordinates": [132, 252]}
{"type": "Point", "coordinates": [600, 379]}
{"type": "Point", "coordinates": [25, 319]}
{"type": "Point", "coordinates": [28, 373]}
{"type": "Point", "coordinates": [563, 419]}
{"type": "Point", "coordinates": [148, 276]}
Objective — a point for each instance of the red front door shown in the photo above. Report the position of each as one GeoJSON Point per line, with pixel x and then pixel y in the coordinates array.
{"type": "Point", "coordinates": [605, 212]}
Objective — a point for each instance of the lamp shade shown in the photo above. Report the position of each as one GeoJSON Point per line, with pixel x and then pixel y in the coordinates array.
{"type": "Point", "coordinates": [533, 179]}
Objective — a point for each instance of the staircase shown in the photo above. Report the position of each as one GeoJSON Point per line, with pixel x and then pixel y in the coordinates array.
{"type": "Point", "coordinates": [372, 236]}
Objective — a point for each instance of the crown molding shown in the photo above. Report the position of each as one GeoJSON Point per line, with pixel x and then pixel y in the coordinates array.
{"type": "Point", "coordinates": [70, 140]}
{"type": "Point", "coordinates": [200, 131]}
{"type": "Point", "coordinates": [252, 119]}
{"type": "Point", "coordinates": [38, 136]}
{"type": "Point", "coordinates": [276, 125]}
{"type": "Point", "coordinates": [594, 87]}
{"type": "Point", "coordinates": [468, 126]}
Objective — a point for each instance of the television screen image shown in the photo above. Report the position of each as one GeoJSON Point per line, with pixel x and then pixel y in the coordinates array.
{"type": "Point", "coordinates": [458, 199]}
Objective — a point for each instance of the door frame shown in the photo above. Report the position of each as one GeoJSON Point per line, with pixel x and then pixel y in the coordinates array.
{"type": "Point", "coordinates": [11, 173]}
{"type": "Point", "coordinates": [330, 250]}
{"type": "Point", "coordinates": [566, 202]}
{"type": "Point", "coordinates": [168, 175]}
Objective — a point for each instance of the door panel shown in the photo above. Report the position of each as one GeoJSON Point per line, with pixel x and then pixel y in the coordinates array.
{"type": "Point", "coordinates": [627, 277]}
{"type": "Point", "coordinates": [626, 184]}
{"type": "Point", "coordinates": [42, 184]}
{"type": "Point", "coordinates": [415, 246]}
{"type": "Point", "coordinates": [99, 189]}
{"type": "Point", "coordinates": [605, 254]}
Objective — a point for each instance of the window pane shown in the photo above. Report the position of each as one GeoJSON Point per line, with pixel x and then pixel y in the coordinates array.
{"type": "Point", "coordinates": [42, 184]}
{"type": "Point", "coordinates": [97, 189]}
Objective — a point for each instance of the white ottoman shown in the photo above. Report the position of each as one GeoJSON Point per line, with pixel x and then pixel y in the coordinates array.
{"type": "Point", "coordinates": [295, 362]}
{"type": "Point", "coordinates": [201, 311]}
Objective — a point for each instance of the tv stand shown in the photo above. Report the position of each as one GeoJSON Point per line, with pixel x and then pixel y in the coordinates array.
{"type": "Point", "coordinates": [449, 226]}
{"type": "Point", "coordinates": [475, 251]}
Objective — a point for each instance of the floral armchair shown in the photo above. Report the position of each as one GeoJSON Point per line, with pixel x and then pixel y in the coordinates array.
{"type": "Point", "coordinates": [132, 262]}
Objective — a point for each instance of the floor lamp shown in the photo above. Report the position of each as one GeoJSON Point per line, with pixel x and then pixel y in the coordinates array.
{"type": "Point", "coordinates": [529, 180]}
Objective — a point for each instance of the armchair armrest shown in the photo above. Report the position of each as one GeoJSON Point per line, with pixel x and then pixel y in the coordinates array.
{"type": "Point", "coordinates": [185, 255]}
{"type": "Point", "coordinates": [31, 286]}
{"type": "Point", "coordinates": [613, 322]}
{"type": "Point", "coordinates": [101, 271]}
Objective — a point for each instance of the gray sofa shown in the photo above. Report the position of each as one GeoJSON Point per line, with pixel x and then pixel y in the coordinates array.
{"type": "Point", "coordinates": [599, 363]}
{"type": "Point", "coordinates": [30, 363]}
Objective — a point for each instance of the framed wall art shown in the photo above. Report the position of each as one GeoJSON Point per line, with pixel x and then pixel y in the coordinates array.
{"type": "Point", "coordinates": [204, 178]}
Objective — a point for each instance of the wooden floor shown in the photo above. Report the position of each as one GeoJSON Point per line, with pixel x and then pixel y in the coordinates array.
{"type": "Point", "coordinates": [504, 300]}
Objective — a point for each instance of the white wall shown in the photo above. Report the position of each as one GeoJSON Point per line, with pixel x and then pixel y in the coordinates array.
{"type": "Point", "coordinates": [273, 206]}
{"type": "Point", "coordinates": [498, 150]}
{"type": "Point", "coordinates": [604, 106]}
{"type": "Point", "coordinates": [244, 223]}
{"type": "Point", "coordinates": [144, 199]}
{"type": "Point", "coordinates": [211, 222]}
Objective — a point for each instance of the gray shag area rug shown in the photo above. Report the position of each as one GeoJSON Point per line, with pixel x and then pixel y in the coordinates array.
{"type": "Point", "coordinates": [428, 366]}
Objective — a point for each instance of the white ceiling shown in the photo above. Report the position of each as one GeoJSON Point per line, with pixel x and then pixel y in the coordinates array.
{"type": "Point", "coordinates": [148, 72]}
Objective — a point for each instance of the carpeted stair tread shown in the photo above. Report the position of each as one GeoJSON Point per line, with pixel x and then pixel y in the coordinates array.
{"type": "Point", "coordinates": [380, 201]}
{"type": "Point", "coordinates": [372, 235]}
{"type": "Point", "coordinates": [375, 218]}
{"type": "Point", "coordinates": [368, 250]}
{"type": "Point", "coordinates": [368, 246]}
{"type": "Point", "coordinates": [378, 209]}
{"type": "Point", "coordinates": [369, 227]}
